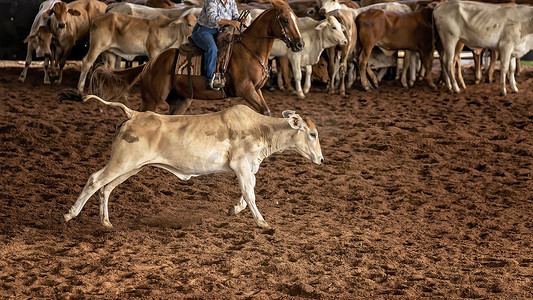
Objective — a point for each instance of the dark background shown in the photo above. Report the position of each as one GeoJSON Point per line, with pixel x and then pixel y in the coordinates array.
{"type": "Point", "coordinates": [16, 18]}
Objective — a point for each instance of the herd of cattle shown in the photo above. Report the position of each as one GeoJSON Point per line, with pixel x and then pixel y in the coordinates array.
{"type": "Point", "coordinates": [366, 34]}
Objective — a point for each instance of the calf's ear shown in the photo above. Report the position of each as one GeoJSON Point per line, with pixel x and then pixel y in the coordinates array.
{"type": "Point", "coordinates": [321, 25]}
{"type": "Point", "coordinates": [48, 13]}
{"type": "Point", "coordinates": [74, 12]}
{"type": "Point", "coordinates": [29, 38]}
{"type": "Point", "coordinates": [296, 122]}
{"type": "Point", "coordinates": [287, 113]}
{"type": "Point", "coordinates": [294, 119]}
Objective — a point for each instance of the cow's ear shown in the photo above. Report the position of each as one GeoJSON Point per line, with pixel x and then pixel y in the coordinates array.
{"type": "Point", "coordinates": [296, 122]}
{"type": "Point", "coordinates": [29, 38]}
{"type": "Point", "coordinates": [287, 113]}
{"type": "Point", "coordinates": [294, 119]}
{"type": "Point", "coordinates": [321, 25]}
{"type": "Point", "coordinates": [48, 13]}
{"type": "Point", "coordinates": [74, 12]}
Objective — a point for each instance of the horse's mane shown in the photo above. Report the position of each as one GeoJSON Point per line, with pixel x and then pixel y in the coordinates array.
{"type": "Point", "coordinates": [279, 3]}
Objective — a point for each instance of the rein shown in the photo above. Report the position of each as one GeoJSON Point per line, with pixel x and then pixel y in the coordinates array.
{"type": "Point", "coordinates": [285, 38]}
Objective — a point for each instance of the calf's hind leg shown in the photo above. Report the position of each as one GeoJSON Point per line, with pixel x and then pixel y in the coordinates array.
{"type": "Point", "coordinates": [235, 209]}
{"type": "Point", "coordinates": [104, 196]}
{"type": "Point", "coordinates": [95, 182]}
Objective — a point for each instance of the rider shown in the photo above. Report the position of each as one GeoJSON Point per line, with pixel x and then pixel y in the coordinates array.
{"type": "Point", "coordinates": [214, 15]}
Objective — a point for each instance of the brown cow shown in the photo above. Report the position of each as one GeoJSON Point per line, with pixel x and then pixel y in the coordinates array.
{"type": "Point", "coordinates": [129, 36]}
{"type": "Point", "coordinates": [396, 31]}
{"type": "Point", "coordinates": [343, 52]}
{"type": "Point", "coordinates": [160, 3]}
{"type": "Point", "coordinates": [301, 8]}
{"type": "Point", "coordinates": [71, 22]}
{"type": "Point", "coordinates": [320, 70]}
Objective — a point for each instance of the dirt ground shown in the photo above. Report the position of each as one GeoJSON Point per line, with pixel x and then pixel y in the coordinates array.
{"type": "Point", "coordinates": [423, 194]}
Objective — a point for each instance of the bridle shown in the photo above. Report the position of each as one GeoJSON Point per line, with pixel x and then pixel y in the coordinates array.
{"type": "Point", "coordinates": [284, 36]}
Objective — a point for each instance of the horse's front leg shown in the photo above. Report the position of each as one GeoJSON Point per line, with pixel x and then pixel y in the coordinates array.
{"type": "Point", "coordinates": [255, 99]}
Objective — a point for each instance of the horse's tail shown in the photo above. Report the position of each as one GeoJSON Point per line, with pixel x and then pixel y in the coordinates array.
{"type": "Point", "coordinates": [113, 84]}
{"type": "Point", "coordinates": [73, 94]}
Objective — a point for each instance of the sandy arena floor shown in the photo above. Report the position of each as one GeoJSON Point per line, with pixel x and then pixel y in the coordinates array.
{"type": "Point", "coordinates": [423, 194]}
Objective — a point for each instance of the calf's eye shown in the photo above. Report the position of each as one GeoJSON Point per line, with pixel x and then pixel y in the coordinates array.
{"type": "Point", "coordinates": [313, 135]}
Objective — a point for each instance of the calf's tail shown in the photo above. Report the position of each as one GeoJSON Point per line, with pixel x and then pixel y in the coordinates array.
{"type": "Point", "coordinates": [113, 84]}
{"type": "Point", "coordinates": [73, 94]}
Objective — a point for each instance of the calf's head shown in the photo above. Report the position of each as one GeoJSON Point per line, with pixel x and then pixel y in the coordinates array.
{"type": "Point", "coordinates": [331, 32]}
{"type": "Point", "coordinates": [44, 38]}
{"type": "Point", "coordinates": [320, 70]}
{"type": "Point", "coordinates": [305, 139]}
{"type": "Point", "coordinates": [60, 11]}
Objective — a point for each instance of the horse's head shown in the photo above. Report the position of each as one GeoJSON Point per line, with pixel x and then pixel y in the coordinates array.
{"type": "Point", "coordinates": [285, 27]}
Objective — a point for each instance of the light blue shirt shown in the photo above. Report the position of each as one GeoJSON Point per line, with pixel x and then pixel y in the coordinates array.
{"type": "Point", "coordinates": [215, 10]}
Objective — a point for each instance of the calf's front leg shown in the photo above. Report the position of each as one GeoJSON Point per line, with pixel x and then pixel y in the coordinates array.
{"type": "Point", "coordinates": [246, 179]}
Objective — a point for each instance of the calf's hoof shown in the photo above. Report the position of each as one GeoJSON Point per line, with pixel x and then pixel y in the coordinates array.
{"type": "Point", "coordinates": [263, 225]}
{"type": "Point", "coordinates": [231, 211]}
{"type": "Point", "coordinates": [107, 224]}
{"type": "Point", "coordinates": [62, 219]}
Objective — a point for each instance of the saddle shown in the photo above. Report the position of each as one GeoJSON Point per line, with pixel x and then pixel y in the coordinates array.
{"type": "Point", "coordinates": [189, 61]}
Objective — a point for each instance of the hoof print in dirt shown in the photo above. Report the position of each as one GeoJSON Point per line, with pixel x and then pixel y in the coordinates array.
{"type": "Point", "coordinates": [269, 231]}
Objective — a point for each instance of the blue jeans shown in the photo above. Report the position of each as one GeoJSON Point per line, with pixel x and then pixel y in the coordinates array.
{"type": "Point", "coordinates": [204, 38]}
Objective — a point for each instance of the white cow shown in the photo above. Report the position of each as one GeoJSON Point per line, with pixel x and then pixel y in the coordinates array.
{"type": "Point", "coordinates": [69, 23]}
{"type": "Point", "coordinates": [36, 43]}
{"type": "Point", "coordinates": [234, 140]}
{"type": "Point", "coordinates": [317, 36]}
{"type": "Point", "coordinates": [151, 12]}
{"type": "Point", "coordinates": [128, 36]}
{"type": "Point", "coordinates": [507, 29]}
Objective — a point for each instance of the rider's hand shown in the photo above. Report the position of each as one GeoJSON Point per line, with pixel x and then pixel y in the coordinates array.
{"type": "Point", "coordinates": [236, 24]}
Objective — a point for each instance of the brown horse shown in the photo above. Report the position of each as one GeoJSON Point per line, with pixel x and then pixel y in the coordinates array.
{"type": "Point", "coordinates": [245, 76]}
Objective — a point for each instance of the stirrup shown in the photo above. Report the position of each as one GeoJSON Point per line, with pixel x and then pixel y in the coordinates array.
{"type": "Point", "coordinates": [216, 82]}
